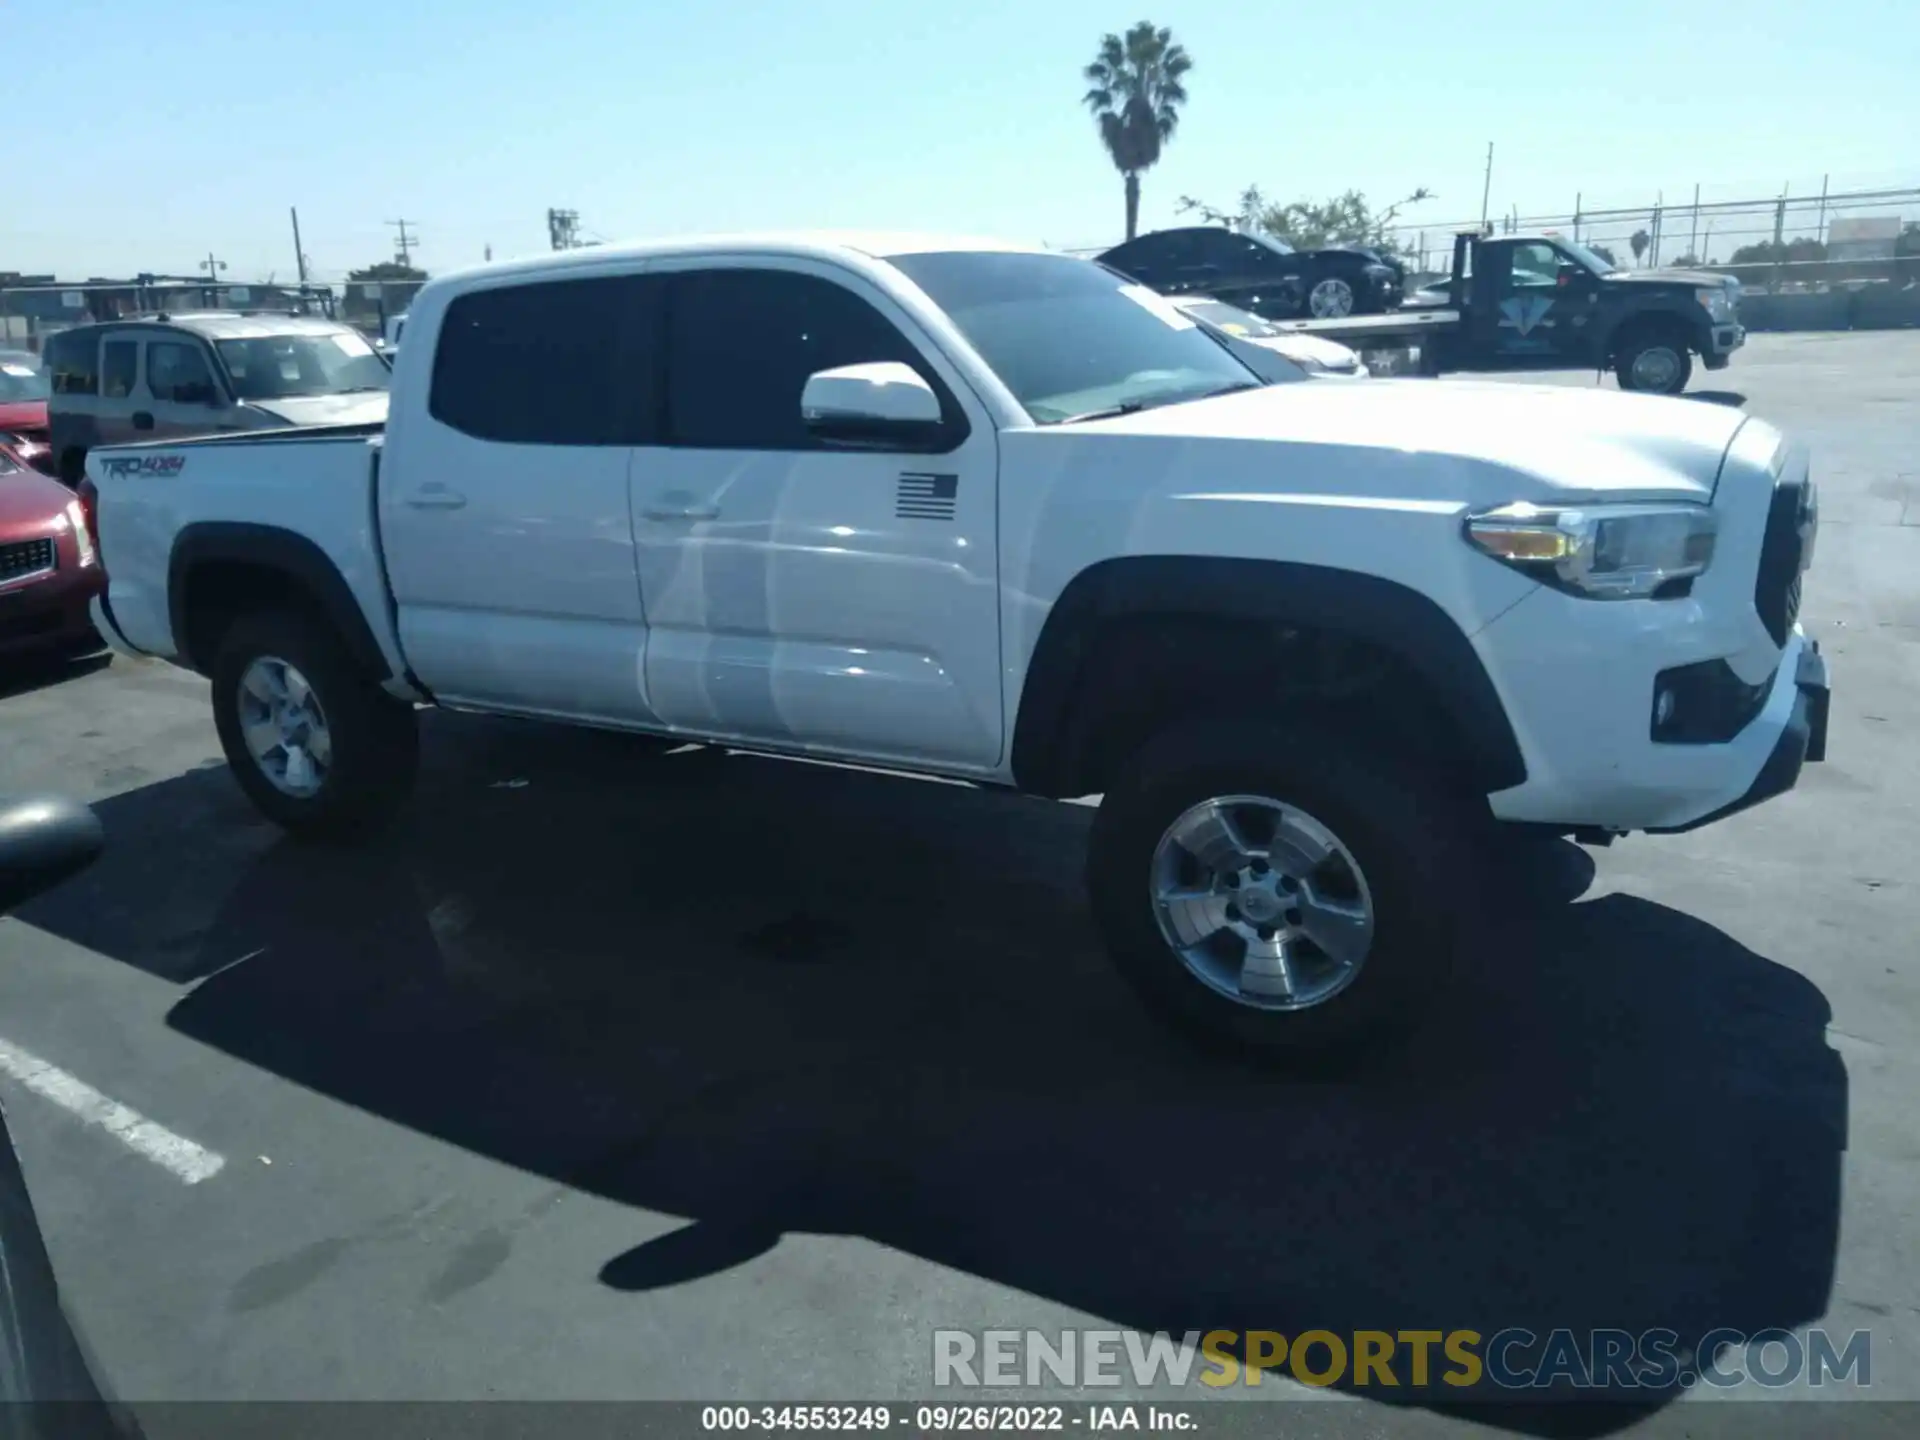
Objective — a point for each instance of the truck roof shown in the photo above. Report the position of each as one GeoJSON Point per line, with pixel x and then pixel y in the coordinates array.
{"type": "Point", "coordinates": [878, 244]}
{"type": "Point", "coordinates": [227, 325]}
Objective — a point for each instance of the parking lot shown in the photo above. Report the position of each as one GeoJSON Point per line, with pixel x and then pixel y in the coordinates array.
{"type": "Point", "coordinates": [625, 1072]}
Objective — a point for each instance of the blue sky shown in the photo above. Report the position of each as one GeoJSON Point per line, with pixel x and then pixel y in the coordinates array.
{"type": "Point", "coordinates": [471, 117]}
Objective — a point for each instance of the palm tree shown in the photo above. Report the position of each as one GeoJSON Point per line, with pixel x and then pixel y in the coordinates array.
{"type": "Point", "coordinates": [1135, 98]}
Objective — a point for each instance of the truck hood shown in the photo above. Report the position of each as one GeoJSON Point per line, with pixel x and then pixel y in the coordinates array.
{"type": "Point", "coordinates": [1472, 441]}
{"type": "Point", "coordinates": [1695, 279]}
{"type": "Point", "coordinates": [367, 409]}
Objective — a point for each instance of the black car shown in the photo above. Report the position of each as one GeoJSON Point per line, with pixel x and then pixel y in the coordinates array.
{"type": "Point", "coordinates": [1262, 273]}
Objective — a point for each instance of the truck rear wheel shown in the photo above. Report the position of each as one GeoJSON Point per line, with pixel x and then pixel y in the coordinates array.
{"type": "Point", "coordinates": [1276, 892]}
{"type": "Point", "coordinates": [318, 747]}
{"type": "Point", "coordinates": [1656, 364]}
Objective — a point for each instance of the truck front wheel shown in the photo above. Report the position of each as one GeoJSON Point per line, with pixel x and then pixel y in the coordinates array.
{"type": "Point", "coordinates": [1656, 363]}
{"type": "Point", "coordinates": [1276, 892]}
{"type": "Point", "coordinates": [318, 747]}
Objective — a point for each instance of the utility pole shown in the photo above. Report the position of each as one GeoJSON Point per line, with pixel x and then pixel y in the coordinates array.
{"type": "Point", "coordinates": [1693, 240]}
{"type": "Point", "coordinates": [1486, 190]}
{"type": "Point", "coordinates": [299, 255]}
{"type": "Point", "coordinates": [563, 229]}
{"type": "Point", "coordinates": [403, 243]}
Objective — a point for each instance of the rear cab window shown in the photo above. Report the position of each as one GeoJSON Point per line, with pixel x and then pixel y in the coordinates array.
{"type": "Point", "coordinates": [554, 362]}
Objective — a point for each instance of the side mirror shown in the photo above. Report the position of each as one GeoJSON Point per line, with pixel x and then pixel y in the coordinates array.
{"type": "Point", "coordinates": [878, 403]}
{"type": "Point", "coordinates": [42, 842]}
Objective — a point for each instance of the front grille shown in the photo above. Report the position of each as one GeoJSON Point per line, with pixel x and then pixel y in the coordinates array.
{"type": "Point", "coordinates": [1784, 548]}
{"type": "Point", "coordinates": [25, 558]}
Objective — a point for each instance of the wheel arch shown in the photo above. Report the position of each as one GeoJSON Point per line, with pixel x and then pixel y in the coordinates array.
{"type": "Point", "coordinates": [1655, 320]}
{"type": "Point", "coordinates": [1057, 720]}
{"type": "Point", "coordinates": [218, 566]}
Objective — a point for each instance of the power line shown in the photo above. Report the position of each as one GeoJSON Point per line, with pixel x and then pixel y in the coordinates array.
{"type": "Point", "coordinates": [403, 243]}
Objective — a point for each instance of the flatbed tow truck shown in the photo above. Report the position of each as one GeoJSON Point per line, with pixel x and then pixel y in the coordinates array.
{"type": "Point", "coordinates": [1544, 302]}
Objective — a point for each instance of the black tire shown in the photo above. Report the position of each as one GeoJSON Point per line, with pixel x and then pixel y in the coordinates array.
{"type": "Point", "coordinates": [1408, 833]}
{"type": "Point", "coordinates": [375, 738]}
{"type": "Point", "coordinates": [1670, 347]}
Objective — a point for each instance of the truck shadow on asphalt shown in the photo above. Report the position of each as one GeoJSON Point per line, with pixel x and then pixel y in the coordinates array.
{"type": "Point", "coordinates": [777, 998]}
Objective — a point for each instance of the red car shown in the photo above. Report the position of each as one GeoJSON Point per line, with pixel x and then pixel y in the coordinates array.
{"type": "Point", "coordinates": [49, 566]}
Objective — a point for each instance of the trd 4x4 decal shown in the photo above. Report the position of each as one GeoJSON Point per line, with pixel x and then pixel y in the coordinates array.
{"type": "Point", "coordinates": [121, 466]}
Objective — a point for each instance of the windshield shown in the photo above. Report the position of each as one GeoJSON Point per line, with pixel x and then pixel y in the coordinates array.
{"type": "Point", "coordinates": [1272, 242]}
{"type": "Point", "coordinates": [1596, 263]}
{"type": "Point", "coordinates": [22, 380]}
{"type": "Point", "coordinates": [1071, 338]}
{"type": "Point", "coordinates": [280, 367]}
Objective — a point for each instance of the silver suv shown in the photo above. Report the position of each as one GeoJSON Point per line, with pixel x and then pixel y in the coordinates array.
{"type": "Point", "coordinates": [171, 376]}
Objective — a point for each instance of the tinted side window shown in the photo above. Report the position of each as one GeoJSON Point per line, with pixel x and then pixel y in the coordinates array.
{"type": "Point", "coordinates": [559, 362]}
{"type": "Point", "coordinates": [119, 368]}
{"type": "Point", "coordinates": [179, 372]}
{"type": "Point", "coordinates": [1152, 256]}
{"type": "Point", "coordinates": [73, 360]}
{"type": "Point", "coordinates": [1235, 252]}
{"type": "Point", "coordinates": [742, 344]}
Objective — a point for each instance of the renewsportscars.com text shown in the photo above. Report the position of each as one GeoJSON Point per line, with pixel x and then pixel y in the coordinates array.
{"type": "Point", "coordinates": [1511, 1359]}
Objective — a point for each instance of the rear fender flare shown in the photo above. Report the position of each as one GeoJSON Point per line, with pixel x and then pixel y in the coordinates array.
{"type": "Point", "coordinates": [269, 547]}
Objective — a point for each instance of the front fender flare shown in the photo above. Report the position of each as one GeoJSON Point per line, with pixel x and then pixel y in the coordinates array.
{"type": "Point", "coordinates": [1381, 612]}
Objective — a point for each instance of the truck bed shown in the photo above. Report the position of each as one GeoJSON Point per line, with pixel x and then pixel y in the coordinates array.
{"type": "Point", "coordinates": [314, 487]}
{"type": "Point", "coordinates": [1375, 328]}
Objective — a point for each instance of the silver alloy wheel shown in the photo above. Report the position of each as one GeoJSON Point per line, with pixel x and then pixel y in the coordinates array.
{"type": "Point", "coordinates": [1656, 368]}
{"type": "Point", "coordinates": [1331, 299]}
{"type": "Point", "coordinates": [284, 727]}
{"type": "Point", "coordinates": [1262, 903]}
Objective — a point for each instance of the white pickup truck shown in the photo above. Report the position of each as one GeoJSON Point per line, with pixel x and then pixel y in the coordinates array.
{"type": "Point", "coordinates": [971, 510]}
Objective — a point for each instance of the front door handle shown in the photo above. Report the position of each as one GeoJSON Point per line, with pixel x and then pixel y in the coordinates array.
{"type": "Point", "coordinates": [682, 512]}
{"type": "Point", "coordinates": [436, 497]}
{"type": "Point", "coordinates": [142, 420]}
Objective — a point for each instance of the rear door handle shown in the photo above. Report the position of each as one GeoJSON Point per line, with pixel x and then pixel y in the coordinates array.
{"type": "Point", "coordinates": [436, 497]}
{"type": "Point", "coordinates": [682, 512]}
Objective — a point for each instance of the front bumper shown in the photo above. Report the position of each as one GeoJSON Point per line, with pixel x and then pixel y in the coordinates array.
{"type": "Point", "coordinates": [47, 612]}
{"type": "Point", "coordinates": [1722, 341]}
{"type": "Point", "coordinates": [1802, 742]}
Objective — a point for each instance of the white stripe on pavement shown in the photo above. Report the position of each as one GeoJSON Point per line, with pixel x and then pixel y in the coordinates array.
{"type": "Point", "coordinates": [186, 1160]}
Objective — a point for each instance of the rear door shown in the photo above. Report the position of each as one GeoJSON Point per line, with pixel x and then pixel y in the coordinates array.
{"type": "Point", "coordinates": [503, 499]}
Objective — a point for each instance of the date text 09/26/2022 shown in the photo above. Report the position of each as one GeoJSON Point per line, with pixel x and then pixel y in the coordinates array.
{"type": "Point", "coordinates": [940, 1418]}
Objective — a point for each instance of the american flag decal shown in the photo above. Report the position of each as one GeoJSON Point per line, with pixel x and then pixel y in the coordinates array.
{"type": "Point", "coordinates": [924, 496]}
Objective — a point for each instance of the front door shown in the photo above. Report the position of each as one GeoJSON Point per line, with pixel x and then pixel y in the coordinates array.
{"type": "Point", "coordinates": [1533, 306]}
{"type": "Point", "coordinates": [182, 394]}
{"type": "Point", "coordinates": [503, 500]}
{"type": "Point", "coordinates": [831, 600]}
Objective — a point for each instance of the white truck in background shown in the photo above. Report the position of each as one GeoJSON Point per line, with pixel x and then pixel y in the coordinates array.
{"type": "Point", "coordinates": [1000, 515]}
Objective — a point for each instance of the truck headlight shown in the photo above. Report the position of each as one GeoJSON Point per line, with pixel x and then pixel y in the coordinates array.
{"type": "Point", "coordinates": [1718, 303]}
{"type": "Point", "coordinates": [1605, 552]}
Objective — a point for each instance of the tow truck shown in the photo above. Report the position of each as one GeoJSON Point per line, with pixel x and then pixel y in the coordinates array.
{"type": "Point", "coordinates": [1545, 302]}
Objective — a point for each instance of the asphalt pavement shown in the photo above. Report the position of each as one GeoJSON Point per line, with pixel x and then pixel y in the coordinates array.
{"type": "Point", "coordinates": [618, 1072]}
